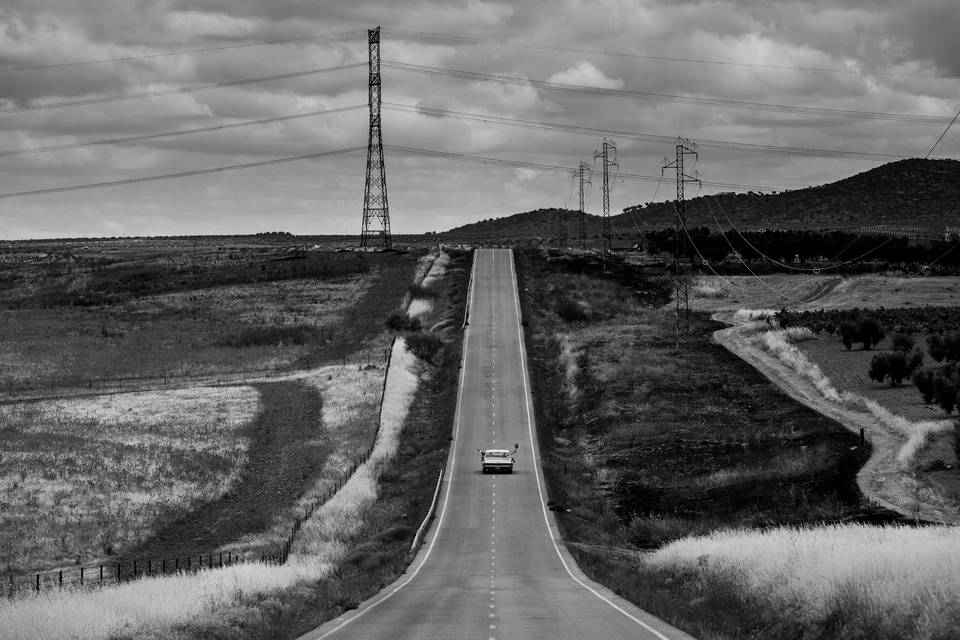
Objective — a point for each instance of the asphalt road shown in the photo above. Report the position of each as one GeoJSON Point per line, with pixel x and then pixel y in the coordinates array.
{"type": "Point", "coordinates": [490, 567]}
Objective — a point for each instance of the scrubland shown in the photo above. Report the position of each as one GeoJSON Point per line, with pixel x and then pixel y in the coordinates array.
{"type": "Point", "coordinates": [690, 484]}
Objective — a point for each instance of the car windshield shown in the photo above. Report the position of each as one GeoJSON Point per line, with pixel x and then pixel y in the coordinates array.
{"type": "Point", "coordinates": [497, 454]}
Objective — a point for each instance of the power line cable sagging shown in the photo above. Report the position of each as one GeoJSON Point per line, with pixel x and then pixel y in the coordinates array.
{"type": "Point", "coordinates": [667, 97]}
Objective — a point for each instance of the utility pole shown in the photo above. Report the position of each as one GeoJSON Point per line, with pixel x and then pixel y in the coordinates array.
{"type": "Point", "coordinates": [584, 179]}
{"type": "Point", "coordinates": [376, 212]}
{"type": "Point", "coordinates": [683, 148]}
{"type": "Point", "coordinates": [609, 156]}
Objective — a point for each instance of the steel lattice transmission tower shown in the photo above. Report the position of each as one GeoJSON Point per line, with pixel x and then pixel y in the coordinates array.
{"type": "Point", "coordinates": [683, 148]}
{"type": "Point", "coordinates": [609, 155]}
{"type": "Point", "coordinates": [583, 171]}
{"type": "Point", "coordinates": [376, 211]}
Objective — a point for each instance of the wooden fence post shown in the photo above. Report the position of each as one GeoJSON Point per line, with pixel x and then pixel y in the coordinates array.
{"type": "Point", "coordinates": [101, 574]}
{"type": "Point", "coordinates": [81, 576]}
{"type": "Point", "coordinates": [118, 573]}
{"type": "Point", "coordinates": [38, 583]}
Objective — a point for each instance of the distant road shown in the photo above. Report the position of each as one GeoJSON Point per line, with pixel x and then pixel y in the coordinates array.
{"type": "Point", "coordinates": [490, 567]}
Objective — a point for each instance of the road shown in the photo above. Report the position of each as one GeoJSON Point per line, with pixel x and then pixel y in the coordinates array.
{"type": "Point", "coordinates": [490, 567]}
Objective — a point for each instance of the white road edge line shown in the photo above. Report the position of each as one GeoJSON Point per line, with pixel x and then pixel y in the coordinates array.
{"type": "Point", "coordinates": [539, 474]}
{"type": "Point", "coordinates": [446, 496]}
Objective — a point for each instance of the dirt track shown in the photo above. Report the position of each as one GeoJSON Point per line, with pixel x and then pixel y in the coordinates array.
{"type": "Point", "coordinates": [881, 479]}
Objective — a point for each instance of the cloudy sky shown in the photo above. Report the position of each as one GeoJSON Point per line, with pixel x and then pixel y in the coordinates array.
{"type": "Point", "coordinates": [861, 82]}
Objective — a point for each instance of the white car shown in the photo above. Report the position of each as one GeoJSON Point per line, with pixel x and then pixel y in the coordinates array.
{"type": "Point", "coordinates": [497, 460]}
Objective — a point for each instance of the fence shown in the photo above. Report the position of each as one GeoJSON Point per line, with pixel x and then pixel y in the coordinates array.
{"type": "Point", "coordinates": [100, 574]}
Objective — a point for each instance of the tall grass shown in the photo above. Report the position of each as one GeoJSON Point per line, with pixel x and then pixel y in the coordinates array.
{"type": "Point", "coordinates": [91, 476]}
{"type": "Point", "coordinates": [154, 605]}
{"type": "Point", "coordinates": [899, 582]}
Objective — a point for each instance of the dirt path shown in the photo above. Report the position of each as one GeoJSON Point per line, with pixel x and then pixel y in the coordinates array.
{"type": "Point", "coordinates": [285, 456]}
{"type": "Point", "coordinates": [880, 479]}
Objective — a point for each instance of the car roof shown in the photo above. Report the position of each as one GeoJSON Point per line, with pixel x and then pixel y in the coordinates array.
{"type": "Point", "coordinates": [504, 451]}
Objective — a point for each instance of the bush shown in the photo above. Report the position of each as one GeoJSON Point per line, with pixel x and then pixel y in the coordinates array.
{"type": "Point", "coordinates": [402, 322]}
{"type": "Point", "coordinates": [424, 345]}
{"type": "Point", "coordinates": [571, 311]}
{"type": "Point", "coordinates": [274, 335]}
{"type": "Point", "coordinates": [945, 391]}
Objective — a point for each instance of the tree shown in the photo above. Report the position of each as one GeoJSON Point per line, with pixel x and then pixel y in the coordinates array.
{"type": "Point", "coordinates": [895, 365]}
{"type": "Point", "coordinates": [945, 390]}
{"type": "Point", "coordinates": [923, 380]}
{"type": "Point", "coordinates": [870, 332]}
{"type": "Point", "coordinates": [848, 334]}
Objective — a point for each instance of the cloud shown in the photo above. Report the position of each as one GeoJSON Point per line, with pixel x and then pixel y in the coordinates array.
{"type": "Point", "coordinates": [584, 73]}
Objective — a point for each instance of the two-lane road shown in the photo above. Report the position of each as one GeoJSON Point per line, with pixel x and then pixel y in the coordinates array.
{"type": "Point", "coordinates": [491, 568]}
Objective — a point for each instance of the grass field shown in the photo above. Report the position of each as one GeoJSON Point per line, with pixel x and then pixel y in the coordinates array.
{"type": "Point", "coordinates": [87, 316]}
{"type": "Point", "coordinates": [87, 478]}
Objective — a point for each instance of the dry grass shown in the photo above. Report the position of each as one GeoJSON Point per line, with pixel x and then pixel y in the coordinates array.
{"type": "Point", "coordinates": [157, 604]}
{"type": "Point", "coordinates": [84, 478]}
{"type": "Point", "coordinates": [902, 581]}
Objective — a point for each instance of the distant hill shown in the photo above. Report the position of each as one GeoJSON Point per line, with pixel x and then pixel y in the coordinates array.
{"type": "Point", "coordinates": [907, 197]}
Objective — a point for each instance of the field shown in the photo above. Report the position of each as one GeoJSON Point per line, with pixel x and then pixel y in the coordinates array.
{"type": "Point", "coordinates": [261, 447]}
{"type": "Point", "coordinates": [646, 448]}
{"type": "Point", "coordinates": [92, 317]}
{"type": "Point", "coordinates": [154, 432]}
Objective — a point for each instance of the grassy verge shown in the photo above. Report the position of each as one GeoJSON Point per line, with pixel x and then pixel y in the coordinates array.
{"type": "Point", "coordinates": [643, 446]}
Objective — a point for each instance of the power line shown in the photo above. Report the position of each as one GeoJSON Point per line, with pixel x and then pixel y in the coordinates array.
{"type": "Point", "coordinates": [666, 97]}
{"type": "Point", "coordinates": [641, 56]}
{"type": "Point", "coordinates": [643, 137]}
{"type": "Point", "coordinates": [783, 264]}
{"type": "Point", "coordinates": [178, 90]}
{"type": "Point", "coordinates": [180, 174]}
{"type": "Point", "coordinates": [552, 168]}
{"type": "Point", "coordinates": [169, 134]}
{"type": "Point", "coordinates": [942, 135]}
{"type": "Point", "coordinates": [146, 56]}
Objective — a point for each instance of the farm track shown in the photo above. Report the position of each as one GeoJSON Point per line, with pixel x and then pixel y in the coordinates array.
{"type": "Point", "coordinates": [880, 479]}
{"type": "Point", "coordinates": [285, 457]}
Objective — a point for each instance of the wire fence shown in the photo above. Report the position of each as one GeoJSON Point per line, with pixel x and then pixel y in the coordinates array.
{"type": "Point", "coordinates": [99, 574]}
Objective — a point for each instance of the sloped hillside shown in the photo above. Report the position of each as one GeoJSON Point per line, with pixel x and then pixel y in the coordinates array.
{"type": "Point", "coordinates": [910, 197]}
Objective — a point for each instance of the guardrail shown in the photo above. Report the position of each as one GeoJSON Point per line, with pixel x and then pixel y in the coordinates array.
{"type": "Point", "coordinates": [418, 538]}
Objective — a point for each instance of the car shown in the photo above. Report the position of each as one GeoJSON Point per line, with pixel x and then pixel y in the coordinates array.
{"type": "Point", "coordinates": [497, 460]}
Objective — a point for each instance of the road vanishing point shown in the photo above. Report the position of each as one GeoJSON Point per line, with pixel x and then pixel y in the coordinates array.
{"type": "Point", "coordinates": [493, 566]}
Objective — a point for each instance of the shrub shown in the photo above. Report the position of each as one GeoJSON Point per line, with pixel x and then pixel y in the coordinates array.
{"type": "Point", "coordinates": [402, 322]}
{"type": "Point", "coordinates": [571, 311]}
{"type": "Point", "coordinates": [273, 335]}
{"type": "Point", "coordinates": [424, 345]}
{"type": "Point", "coordinates": [902, 342]}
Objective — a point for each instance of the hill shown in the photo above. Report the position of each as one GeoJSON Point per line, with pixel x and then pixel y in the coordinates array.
{"type": "Point", "coordinates": [909, 197]}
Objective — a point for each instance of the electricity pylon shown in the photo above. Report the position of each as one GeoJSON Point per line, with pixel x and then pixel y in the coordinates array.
{"type": "Point", "coordinates": [376, 212]}
{"type": "Point", "coordinates": [683, 148]}
{"type": "Point", "coordinates": [609, 155]}
{"type": "Point", "coordinates": [584, 179]}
